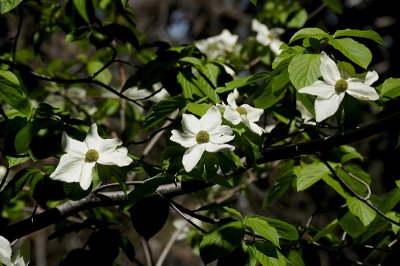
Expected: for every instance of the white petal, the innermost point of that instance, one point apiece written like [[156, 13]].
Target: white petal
[[211, 119], [116, 157], [185, 139], [362, 92], [253, 114], [5, 251], [94, 141], [275, 46], [86, 175], [190, 124], [223, 130], [232, 116], [231, 100], [192, 157], [255, 128], [371, 77], [320, 89], [211, 147], [325, 108], [69, 168], [329, 70], [73, 146], [221, 139]]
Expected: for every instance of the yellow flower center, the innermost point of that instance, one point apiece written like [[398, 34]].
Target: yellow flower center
[[91, 156], [241, 110], [202, 137], [341, 86]]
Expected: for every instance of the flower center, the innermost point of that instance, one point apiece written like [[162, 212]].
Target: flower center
[[341, 86], [241, 110], [202, 137], [91, 156]]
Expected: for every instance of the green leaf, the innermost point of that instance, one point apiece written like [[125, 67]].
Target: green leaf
[[7, 5], [254, 2], [390, 200], [263, 228], [335, 185], [188, 82], [309, 174], [367, 34], [11, 93], [304, 70], [351, 225], [13, 161], [104, 76], [24, 177], [242, 81], [326, 230], [124, 2], [267, 254], [281, 185], [315, 33], [335, 5], [198, 108], [142, 190], [80, 5], [298, 20], [25, 134], [162, 109], [268, 96], [390, 88], [361, 210], [355, 51], [285, 230], [221, 241]]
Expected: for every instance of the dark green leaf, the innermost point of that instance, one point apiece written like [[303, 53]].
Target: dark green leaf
[[351, 225], [285, 230], [162, 110], [25, 135], [24, 177], [141, 191], [221, 241], [12, 94], [80, 5], [281, 185], [148, 215], [335, 5], [242, 81]]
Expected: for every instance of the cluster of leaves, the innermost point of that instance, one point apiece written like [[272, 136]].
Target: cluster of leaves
[[41, 99]]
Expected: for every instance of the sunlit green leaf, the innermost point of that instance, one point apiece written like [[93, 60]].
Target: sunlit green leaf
[[263, 228], [315, 33], [361, 210], [104, 76], [80, 5], [309, 174], [367, 34], [355, 51], [304, 70], [390, 89], [7, 5]]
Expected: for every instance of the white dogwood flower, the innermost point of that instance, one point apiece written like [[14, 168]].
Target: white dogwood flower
[[77, 164], [331, 90], [268, 37], [204, 134], [244, 113], [218, 46], [5, 251]]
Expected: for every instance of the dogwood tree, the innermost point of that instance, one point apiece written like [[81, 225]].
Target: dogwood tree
[[252, 146]]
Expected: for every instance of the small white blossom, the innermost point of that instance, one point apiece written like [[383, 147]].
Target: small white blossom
[[204, 134], [5, 251], [305, 114], [81, 157], [244, 113], [268, 37], [218, 46], [331, 90]]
